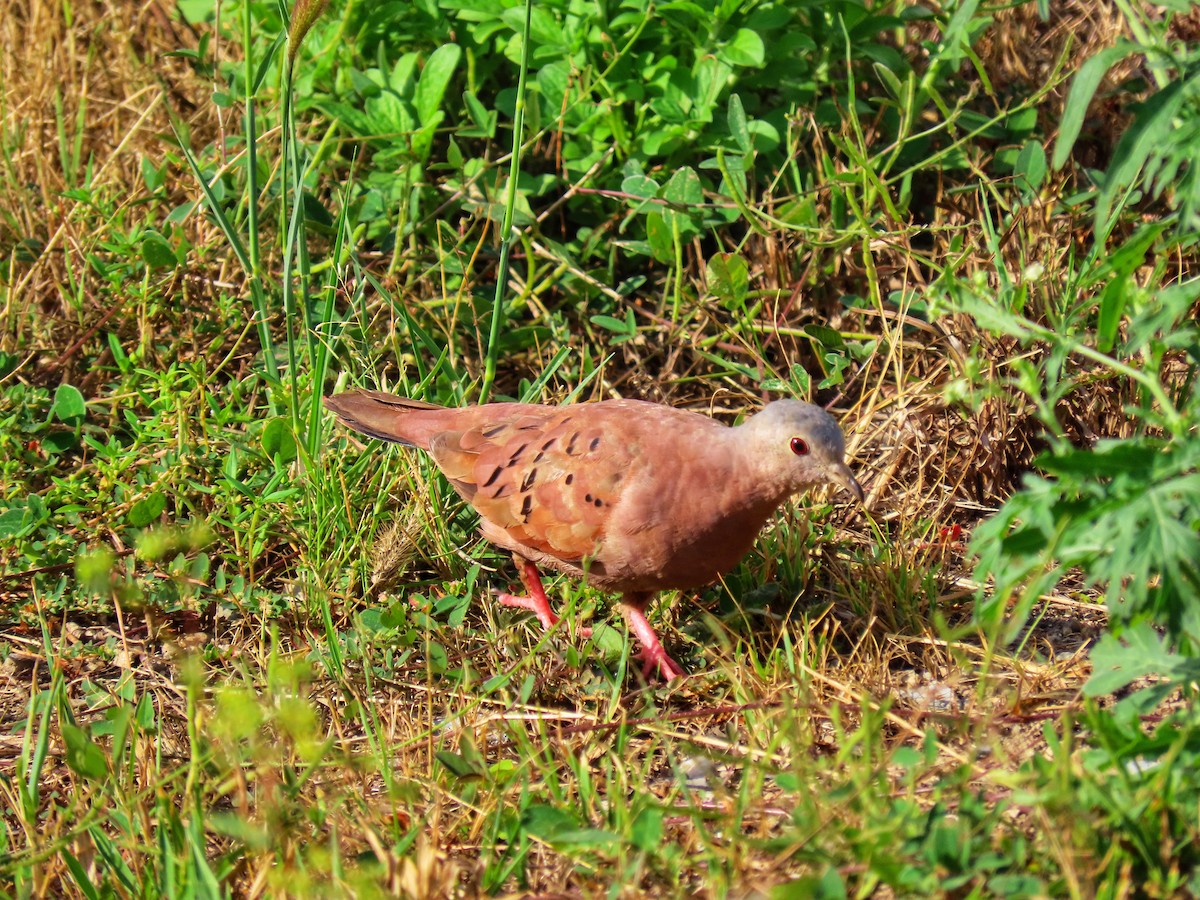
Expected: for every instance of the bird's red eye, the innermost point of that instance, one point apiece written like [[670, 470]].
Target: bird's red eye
[[800, 446]]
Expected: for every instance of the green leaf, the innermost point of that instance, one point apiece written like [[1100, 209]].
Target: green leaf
[[83, 756], [1030, 168], [684, 188], [157, 252], [60, 442], [435, 78], [890, 80], [626, 327], [69, 406], [94, 569], [829, 886], [13, 523], [746, 49], [647, 831], [658, 233], [827, 337], [278, 441], [585, 837], [1150, 131], [557, 826], [738, 127], [1088, 78], [147, 510], [641, 187], [1118, 661], [728, 278], [153, 176], [546, 822], [83, 880], [1112, 308], [484, 119], [460, 766]]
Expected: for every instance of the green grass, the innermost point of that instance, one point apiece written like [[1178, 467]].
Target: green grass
[[244, 654]]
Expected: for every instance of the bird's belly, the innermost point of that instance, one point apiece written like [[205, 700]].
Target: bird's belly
[[674, 558]]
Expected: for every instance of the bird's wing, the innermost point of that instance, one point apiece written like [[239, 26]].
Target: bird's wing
[[548, 479]]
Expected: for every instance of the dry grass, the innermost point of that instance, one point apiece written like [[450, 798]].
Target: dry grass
[[312, 754]]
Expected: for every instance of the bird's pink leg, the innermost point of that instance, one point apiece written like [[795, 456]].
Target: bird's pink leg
[[653, 656], [537, 602]]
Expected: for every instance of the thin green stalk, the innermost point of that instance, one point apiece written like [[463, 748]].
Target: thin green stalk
[[320, 360], [253, 245], [289, 225], [493, 347]]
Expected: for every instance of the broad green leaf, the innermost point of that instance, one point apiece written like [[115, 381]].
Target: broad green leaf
[[1112, 307], [546, 822], [1083, 87], [147, 510], [827, 337], [14, 523], [457, 765], [403, 77], [69, 406], [658, 233], [647, 831], [728, 278], [684, 188], [1118, 661], [83, 756], [610, 323], [746, 49], [157, 252], [94, 569], [484, 118], [278, 442], [1030, 167], [1149, 131], [640, 186], [736, 119], [585, 837], [435, 78], [889, 78]]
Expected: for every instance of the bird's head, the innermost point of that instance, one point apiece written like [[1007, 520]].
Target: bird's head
[[799, 445]]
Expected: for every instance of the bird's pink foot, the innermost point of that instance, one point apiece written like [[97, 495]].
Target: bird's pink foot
[[539, 606], [657, 659], [653, 656], [537, 602]]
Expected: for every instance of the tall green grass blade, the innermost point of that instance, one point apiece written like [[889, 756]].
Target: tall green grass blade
[[514, 170], [254, 248], [113, 859], [324, 328], [257, 294], [1079, 99]]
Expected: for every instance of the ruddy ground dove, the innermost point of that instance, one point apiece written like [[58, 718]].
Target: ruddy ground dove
[[632, 496]]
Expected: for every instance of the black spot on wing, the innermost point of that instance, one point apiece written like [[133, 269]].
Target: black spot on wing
[[516, 456]]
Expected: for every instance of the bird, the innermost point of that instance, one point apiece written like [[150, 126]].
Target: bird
[[632, 496]]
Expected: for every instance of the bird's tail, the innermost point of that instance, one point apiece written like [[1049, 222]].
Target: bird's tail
[[388, 417]]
